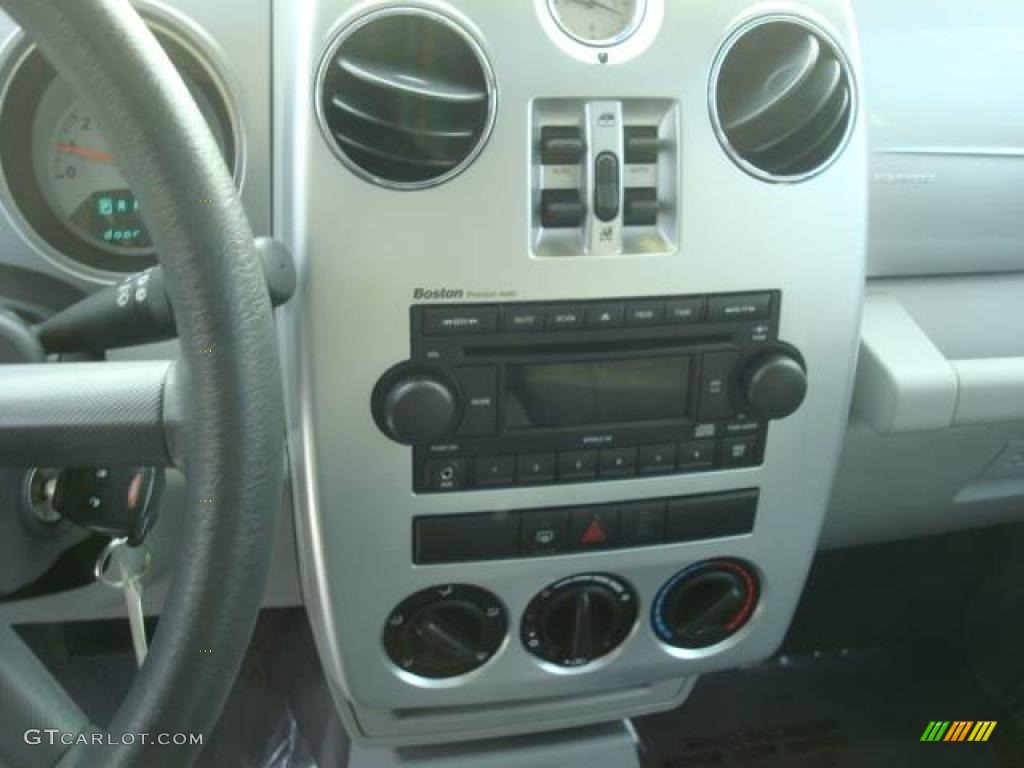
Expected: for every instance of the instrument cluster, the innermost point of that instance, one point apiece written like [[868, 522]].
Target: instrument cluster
[[61, 178]]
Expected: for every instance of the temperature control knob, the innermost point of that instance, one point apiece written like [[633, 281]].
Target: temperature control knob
[[774, 385], [445, 631], [416, 407], [579, 619], [705, 603]]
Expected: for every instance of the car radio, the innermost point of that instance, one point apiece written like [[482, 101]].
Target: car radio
[[497, 395]]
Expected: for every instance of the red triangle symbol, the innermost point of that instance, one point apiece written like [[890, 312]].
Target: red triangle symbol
[[594, 534]]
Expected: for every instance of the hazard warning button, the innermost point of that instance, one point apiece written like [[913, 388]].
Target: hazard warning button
[[594, 528]]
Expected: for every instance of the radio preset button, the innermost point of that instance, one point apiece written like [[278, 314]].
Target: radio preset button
[[494, 471], [480, 396], [748, 306], [617, 462], [450, 321], [577, 465], [564, 317], [523, 319], [536, 468], [684, 311], [657, 459], [699, 454], [594, 528], [645, 313], [604, 315], [544, 532]]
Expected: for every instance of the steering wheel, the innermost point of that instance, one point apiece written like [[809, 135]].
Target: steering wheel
[[218, 413]]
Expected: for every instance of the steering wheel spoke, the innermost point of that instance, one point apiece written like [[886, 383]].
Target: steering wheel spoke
[[33, 701], [90, 414]]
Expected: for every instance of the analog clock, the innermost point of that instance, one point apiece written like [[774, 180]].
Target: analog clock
[[598, 22]]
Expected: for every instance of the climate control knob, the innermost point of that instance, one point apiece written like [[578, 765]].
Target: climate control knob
[[774, 385], [445, 631], [579, 619], [416, 407], [705, 603]]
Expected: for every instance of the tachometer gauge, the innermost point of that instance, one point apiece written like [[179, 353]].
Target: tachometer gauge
[[598, 22], [63, 175]]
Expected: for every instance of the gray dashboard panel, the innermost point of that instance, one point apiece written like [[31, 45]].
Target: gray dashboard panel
[[947, 148], [362, 251]]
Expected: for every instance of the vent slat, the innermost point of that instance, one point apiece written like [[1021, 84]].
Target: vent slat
[[832, 133], [406, 97], [392, 157], [783, 99], [790, 138], [828, 82], [340, 103], [386, 76], [796, 73]]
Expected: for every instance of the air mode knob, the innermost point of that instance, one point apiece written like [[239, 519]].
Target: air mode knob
[[705, 603], [445, 631], [579, 619], [416, 407], [774, 384]]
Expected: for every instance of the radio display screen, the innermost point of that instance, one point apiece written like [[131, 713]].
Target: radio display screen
[[597, 392]]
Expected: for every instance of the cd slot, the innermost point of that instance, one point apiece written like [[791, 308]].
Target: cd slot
[[603, 346]]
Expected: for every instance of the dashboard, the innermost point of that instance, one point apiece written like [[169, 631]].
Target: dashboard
[[610, 316]]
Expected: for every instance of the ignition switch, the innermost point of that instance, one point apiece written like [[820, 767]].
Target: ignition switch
[[119, 502]]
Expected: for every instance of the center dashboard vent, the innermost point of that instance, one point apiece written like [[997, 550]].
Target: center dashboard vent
[[406, 97], [782, 99]]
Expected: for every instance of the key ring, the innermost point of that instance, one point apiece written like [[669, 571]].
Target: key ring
[[102, 570]]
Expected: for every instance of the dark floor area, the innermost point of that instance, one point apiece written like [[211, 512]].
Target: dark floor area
[[852, 710], [828, 710], [279, 714]]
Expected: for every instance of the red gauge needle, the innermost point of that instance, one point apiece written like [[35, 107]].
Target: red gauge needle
[[97, 155]]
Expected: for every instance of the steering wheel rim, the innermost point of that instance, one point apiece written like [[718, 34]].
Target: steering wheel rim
[[234, 444]]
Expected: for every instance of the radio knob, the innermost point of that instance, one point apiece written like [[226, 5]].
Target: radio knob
[[774, 385], [418, 408]]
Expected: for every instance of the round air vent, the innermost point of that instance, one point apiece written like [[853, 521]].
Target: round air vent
[[782, 99], [406, 98]]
